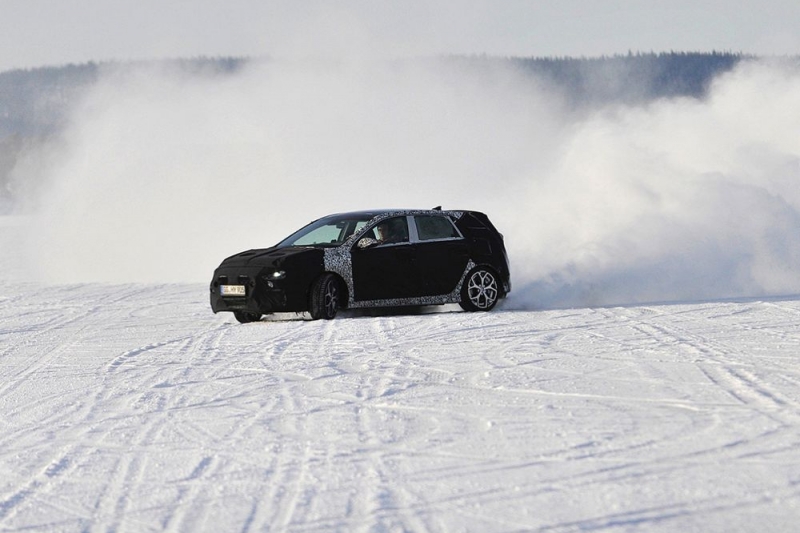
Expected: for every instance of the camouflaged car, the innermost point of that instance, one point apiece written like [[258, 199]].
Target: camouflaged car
[[386, 258]]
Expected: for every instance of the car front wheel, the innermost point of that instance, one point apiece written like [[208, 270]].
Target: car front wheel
[[324, 297], [480, 290]]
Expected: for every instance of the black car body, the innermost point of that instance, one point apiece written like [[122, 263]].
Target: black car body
[[363, 259]]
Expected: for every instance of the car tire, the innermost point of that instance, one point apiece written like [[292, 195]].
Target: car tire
[[323, 299], [245, 317], [480, 290]]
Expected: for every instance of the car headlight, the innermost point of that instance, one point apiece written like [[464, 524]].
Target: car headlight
[[275, 275]]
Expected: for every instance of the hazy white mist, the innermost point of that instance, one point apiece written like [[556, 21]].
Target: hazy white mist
[[160, 175]]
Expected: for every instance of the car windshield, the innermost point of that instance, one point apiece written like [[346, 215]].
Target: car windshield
[[328, 231]]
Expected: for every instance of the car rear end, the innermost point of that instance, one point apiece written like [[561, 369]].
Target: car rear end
[[487, 246]]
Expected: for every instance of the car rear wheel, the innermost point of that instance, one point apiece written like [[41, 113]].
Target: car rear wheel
[[480, 290], [245, 317], [324, 297]]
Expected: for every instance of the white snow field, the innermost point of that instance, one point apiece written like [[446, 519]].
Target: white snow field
[[133, 408]]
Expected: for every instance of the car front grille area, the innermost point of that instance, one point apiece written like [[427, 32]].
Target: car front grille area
[[241, 279]]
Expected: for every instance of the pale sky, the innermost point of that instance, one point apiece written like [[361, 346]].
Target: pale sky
[[53, 32]]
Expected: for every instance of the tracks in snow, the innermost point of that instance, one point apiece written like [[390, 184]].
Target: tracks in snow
[[121, 412]]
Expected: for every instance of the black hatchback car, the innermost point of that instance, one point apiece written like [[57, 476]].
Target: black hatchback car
[[387, 258]]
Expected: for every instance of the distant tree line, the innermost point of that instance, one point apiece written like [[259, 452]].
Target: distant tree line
[[632, 78], [35, 103], [627, 79]]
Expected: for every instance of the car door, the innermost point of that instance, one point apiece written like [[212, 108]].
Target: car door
[[441, 254], [386, 270]]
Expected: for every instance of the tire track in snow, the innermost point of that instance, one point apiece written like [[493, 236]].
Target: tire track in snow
[[380, 423], [292, 489], [720, 363], [49, 338], [129, 467], [379, 504], [41, 482], [132, 469], [601, 475]]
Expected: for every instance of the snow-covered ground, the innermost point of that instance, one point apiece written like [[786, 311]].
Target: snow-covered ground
[[132, 407]]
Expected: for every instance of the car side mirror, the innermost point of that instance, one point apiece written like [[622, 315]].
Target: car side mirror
[[366, 242]]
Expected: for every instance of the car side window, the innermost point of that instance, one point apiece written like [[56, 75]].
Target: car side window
[[435, 227], [392, 230]]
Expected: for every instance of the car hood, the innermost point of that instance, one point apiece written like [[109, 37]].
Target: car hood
[[272, 257]]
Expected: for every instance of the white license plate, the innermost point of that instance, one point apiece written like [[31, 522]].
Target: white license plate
[[231, 290]]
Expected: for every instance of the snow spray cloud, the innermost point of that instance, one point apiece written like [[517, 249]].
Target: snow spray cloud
[[165, 174], [168, 173], [679, 200]]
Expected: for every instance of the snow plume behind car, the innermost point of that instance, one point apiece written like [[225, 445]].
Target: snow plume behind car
[[161, 174]]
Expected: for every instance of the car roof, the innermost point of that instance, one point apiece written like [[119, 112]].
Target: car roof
[[372, 213]]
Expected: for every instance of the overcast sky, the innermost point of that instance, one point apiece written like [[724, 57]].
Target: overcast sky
[[52, 32]]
